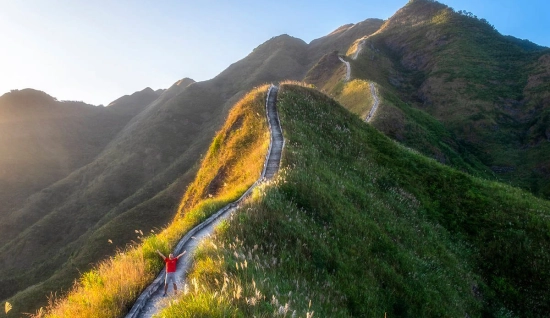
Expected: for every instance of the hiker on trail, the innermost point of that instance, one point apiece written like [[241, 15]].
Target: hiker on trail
[[170, 262]]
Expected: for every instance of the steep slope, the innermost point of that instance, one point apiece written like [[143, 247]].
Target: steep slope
[[152, 299], [324, 68], [137, 180], [357, 225], [282, 57], [341, 39], [396, 119]]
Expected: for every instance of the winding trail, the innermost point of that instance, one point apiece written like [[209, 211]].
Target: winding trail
[[375, 104], [373, 90], [359, 48], [348, 68], [150, 302]]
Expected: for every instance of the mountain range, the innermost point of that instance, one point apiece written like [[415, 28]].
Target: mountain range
[[79, 182]]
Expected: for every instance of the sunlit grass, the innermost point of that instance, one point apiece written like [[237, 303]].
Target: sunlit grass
[[225, 169], [356, 97], [239, 149], [105, 291]]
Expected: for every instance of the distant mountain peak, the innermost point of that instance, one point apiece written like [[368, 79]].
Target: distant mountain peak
[[29, 93], [342, 28], [184, 82], [27, 99], [281, 40], [180, 84], [144, 93]]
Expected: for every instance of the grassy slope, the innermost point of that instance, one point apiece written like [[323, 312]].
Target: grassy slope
[[481, 99], [357, 225], [395, 118], [71, 221], [411, 127], [341, 38], [238, 149], [475, 81]]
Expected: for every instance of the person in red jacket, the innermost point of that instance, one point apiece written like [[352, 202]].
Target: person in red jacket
[[171, 263]]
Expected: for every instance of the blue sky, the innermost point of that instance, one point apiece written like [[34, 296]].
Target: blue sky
[[96, 51]]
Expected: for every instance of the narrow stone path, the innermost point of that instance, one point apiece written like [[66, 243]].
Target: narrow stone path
[[348, 68], [375, 104], [359, 48], [373, 91], [151, 301]]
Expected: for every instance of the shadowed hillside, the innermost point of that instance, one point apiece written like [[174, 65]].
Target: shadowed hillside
[[43, 140], [132, 105], [342, 38]]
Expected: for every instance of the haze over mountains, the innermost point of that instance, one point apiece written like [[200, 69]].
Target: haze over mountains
[[74, 176]]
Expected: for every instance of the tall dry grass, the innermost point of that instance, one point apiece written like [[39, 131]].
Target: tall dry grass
[[106, 290]]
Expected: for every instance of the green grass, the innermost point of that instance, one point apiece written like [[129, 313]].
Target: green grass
[[357, 225], [496, 73], [355, 96], [412, 127], [488, 91]]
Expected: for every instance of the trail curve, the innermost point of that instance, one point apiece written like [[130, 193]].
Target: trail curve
[[358, 50], [374, 104], [348, 68], [372, 88], [151, 300]]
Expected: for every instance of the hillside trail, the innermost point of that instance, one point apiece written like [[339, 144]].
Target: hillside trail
[[359, 48], [348, 68], [373, 90], [374, 107], [151, 300]]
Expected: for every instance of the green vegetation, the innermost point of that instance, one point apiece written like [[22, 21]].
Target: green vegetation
[[328, 73], [43, 140], [357, 225], [355, 96], [484, 88], [416, 129], [412, 127], [110, 288]]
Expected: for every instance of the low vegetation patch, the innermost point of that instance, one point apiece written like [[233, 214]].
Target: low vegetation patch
[[356, 97]]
